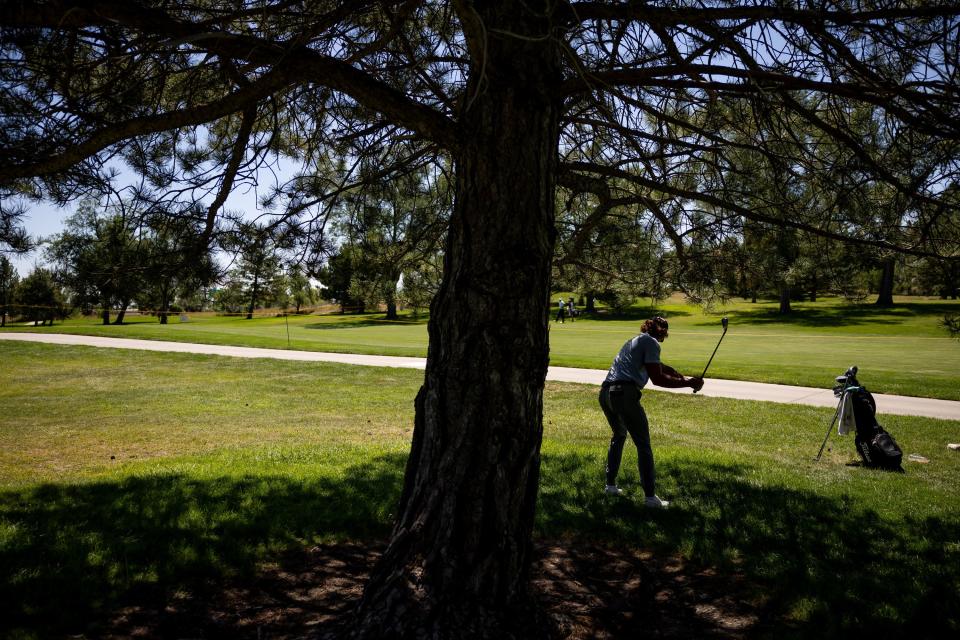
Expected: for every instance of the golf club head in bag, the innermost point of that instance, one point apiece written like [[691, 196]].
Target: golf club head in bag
[[848, 379]]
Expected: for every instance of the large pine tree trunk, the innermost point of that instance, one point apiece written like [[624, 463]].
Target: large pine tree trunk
[[457, 562]]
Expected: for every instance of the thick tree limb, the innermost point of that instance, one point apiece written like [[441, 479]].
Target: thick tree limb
[[230, 174], [625, 11], [654, 76], [580, 183], [299, 62], [117, 132], [748, 213]]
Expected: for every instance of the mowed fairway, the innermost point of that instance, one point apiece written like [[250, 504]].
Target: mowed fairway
[[901, 350], [138, 479]]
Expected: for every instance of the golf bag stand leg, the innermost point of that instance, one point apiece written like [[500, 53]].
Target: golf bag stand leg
[[836, 414]]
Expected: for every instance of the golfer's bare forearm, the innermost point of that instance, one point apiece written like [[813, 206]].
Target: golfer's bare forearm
[[674, 382], [670, 371]]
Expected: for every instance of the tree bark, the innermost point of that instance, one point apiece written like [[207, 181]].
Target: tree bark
[[253, 296], [392, 298], [164, 302], [458, 559], [951, 273], [785, 299], [885, 295], [122, 312]]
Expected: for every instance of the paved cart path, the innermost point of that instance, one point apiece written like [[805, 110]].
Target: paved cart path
[[886, 404]]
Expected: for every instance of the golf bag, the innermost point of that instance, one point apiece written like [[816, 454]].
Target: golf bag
[[875, 446]]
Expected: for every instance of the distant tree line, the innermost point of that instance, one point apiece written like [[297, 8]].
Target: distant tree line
[[387, 254], [35, 298], [111, 258]]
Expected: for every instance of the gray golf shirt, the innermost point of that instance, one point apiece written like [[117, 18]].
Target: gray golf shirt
[[629, 363]]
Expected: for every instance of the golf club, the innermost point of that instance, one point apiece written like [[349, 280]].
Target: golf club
[[723, 321], [842, 383]]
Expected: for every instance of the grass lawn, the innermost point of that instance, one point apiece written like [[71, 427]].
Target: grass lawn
[[900, 350], [134, 476]]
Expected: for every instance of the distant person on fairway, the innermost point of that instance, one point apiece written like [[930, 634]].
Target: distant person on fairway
[[561, 310], [571, 310], [637, 362]]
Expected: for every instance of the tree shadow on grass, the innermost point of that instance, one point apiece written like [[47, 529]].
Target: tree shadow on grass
[[357, 322], [72, 554], [171, 553], [637, 314], [844, 315], [820, 567]]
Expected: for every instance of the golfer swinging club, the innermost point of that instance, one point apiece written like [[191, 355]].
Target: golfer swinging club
[[637, 362]]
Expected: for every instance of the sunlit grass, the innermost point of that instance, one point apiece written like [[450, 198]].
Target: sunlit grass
[[900, 350]]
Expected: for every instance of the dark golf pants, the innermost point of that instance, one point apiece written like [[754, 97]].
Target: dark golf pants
[[621, 406]]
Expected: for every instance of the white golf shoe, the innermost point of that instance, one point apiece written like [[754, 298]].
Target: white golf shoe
[[655, 502]]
